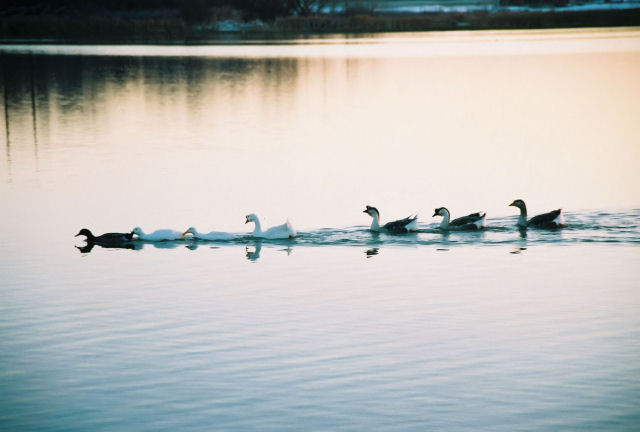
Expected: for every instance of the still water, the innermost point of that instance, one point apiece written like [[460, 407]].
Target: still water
[[340, 328]]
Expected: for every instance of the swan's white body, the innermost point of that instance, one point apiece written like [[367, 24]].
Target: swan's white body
[[470, 222], [211, 236], [283, 231], [158, 235]]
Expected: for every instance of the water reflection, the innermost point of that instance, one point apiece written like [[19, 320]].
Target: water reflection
[[253, 255], [87, 248], [370, 253], [46, 98]]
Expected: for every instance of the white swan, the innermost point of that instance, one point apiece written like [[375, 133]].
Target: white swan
[[158, 235], [277, 232], [472, 221], [399, 226], [213, 235], [552, 219]]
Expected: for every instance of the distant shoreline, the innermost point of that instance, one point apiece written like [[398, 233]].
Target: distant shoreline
[[101, 29]]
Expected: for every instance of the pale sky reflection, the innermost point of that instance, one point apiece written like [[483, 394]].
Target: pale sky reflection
[[315, 137]]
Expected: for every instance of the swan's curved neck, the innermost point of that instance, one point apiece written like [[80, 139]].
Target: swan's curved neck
[[258, 228], [375, 223], [446, 218]]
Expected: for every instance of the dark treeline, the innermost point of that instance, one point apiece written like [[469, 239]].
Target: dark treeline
[[190, 10], [200, 20]]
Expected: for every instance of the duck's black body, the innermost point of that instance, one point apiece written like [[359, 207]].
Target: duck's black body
[[107, 238], [549, 220], [467, 220], [545, 220], [470, 222], [400, 225]]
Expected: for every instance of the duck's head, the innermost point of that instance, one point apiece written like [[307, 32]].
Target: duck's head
[[251, 218], [84, 232], [518, 203], [440, 211], [190, 230], [136, 231], [371, 211]]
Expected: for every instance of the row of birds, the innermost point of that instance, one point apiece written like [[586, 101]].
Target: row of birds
[[473, 221]]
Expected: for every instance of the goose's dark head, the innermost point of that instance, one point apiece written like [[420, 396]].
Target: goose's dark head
[[85, 232], [371, 211], [439, 211], [518, 203]]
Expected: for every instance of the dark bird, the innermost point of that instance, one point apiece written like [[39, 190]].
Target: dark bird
[[552, 219], [107, 238], [396, 227], [473, 221]]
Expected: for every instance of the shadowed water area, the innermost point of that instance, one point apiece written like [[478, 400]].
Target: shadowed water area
[[339, 328]]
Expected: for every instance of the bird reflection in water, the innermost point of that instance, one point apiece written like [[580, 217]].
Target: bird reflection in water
[[372, 252], [135, 245], [523, 232], [253, 255]]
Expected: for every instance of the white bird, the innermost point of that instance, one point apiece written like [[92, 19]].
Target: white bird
[[158, 235], [277, 232], [213, 235], [472, 221], [552, 219], [399, 226]]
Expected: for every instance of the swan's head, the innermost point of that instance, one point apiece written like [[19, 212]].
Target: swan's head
[[137, 231], [251, 218], [440, 211], [518, 203], [190, 230], [371, 211], [84, 232]]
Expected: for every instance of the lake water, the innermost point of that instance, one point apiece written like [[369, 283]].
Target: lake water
[[340, 328]]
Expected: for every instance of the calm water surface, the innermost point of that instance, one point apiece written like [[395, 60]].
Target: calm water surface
[[339, 329]]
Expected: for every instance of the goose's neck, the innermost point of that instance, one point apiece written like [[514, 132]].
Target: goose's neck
[[375, 222], [522, 219], [258, 228], [446, 218]]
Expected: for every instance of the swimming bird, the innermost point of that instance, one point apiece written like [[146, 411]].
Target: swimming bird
[[552, 219], [213, 235], [283, 231], [105, 238], [472, 221], [396, 227], [158, 235]]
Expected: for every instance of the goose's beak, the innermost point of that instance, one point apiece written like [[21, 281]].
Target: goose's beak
[[513, 204], [247, 220], [435, 214], [77, 235], [365, 211]]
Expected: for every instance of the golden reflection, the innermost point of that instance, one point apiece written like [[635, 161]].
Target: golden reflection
[[314, 138]]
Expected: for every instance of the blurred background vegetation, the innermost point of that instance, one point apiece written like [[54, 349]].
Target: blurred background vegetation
[[163, 20]]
